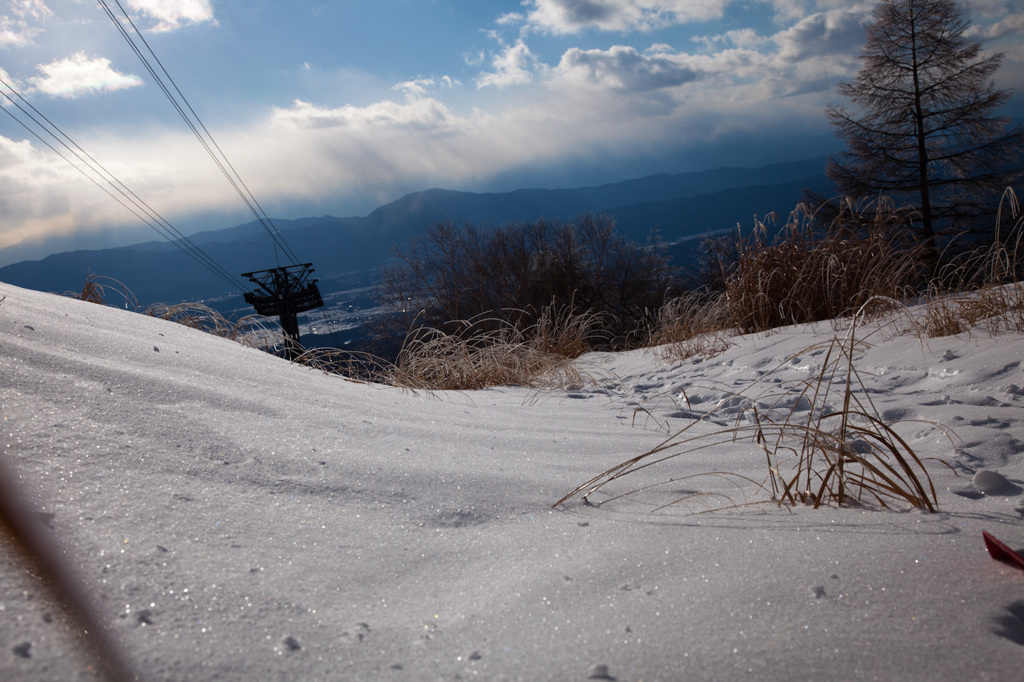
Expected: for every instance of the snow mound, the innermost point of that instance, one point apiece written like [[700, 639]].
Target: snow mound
[[235, 516]]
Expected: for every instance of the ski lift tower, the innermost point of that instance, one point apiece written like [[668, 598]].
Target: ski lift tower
[[285, 292]]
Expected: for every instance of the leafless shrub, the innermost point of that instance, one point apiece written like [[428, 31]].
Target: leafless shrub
[[511, 274]]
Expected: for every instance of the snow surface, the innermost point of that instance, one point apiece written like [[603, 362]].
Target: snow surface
[[239, 517]]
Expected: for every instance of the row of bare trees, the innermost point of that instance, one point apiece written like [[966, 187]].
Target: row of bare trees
[[509, 274]]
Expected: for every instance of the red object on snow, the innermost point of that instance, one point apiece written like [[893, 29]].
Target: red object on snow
[[1001, 552]]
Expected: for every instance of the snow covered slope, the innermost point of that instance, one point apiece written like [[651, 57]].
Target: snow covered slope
[[239, 517]]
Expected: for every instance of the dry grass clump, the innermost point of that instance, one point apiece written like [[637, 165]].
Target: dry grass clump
[[250, 330], [807, 276], [489, 352], [859, 263], [992, 308], [984, 289], [97, 289], [822, 439], [353, 365], [565, 332], [696, 323], [474, 354], [434, 360]]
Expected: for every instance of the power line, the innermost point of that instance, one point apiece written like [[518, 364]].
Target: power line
[[195, 124], [121, 193]]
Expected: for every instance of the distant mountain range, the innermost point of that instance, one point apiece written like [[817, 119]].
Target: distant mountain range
[[679, 206]]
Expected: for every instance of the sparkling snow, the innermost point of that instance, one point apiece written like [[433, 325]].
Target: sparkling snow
[[238, 517]]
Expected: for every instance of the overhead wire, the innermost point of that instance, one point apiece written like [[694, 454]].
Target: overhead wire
[[121, 192], [195, 124]]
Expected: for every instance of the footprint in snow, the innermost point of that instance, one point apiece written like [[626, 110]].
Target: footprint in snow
[[599, 672], [357, 633], [287, 645]]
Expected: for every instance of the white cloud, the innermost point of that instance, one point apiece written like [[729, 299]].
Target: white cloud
[[836, 32], [734, 66], [21, 25], [743, 38], [514, 65], [419, 113], [7, 78], [78, 75], [33, 200], [169, 15], [414, 88], [595, 106], [1015, 54], [584, 105], [1012, 24], [510, 18], [615, 102], [474, 58], [623, 69], [573, 16], [789, 11], [418, 87], [606, 104], [989, 8]]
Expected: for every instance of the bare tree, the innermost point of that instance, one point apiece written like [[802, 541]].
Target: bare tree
[[511, 273], [921, 126]]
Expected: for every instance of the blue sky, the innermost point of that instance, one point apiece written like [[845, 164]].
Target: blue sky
[[338, 107]]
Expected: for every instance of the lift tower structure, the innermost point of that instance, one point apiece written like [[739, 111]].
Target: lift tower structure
[[285, 292]]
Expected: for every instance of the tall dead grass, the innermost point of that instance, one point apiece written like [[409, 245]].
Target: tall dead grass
[[698, 323], [822, 440], [249, 330], [489, 352], [353, 365], [804, 274], [983, 290], [472, 354], [475, 354], [860, 263], [98, 289]]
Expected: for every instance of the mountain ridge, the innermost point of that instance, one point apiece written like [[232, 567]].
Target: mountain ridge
[[676, 205]]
